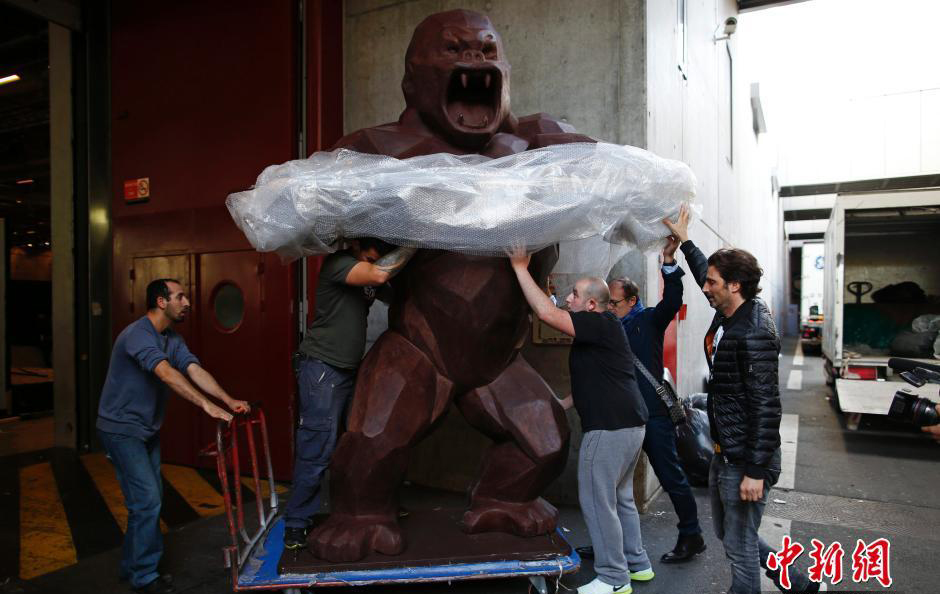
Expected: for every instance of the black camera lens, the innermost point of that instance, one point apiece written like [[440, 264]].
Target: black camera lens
[[913, 409]]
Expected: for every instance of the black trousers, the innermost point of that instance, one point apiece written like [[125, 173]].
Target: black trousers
[[660, 448]]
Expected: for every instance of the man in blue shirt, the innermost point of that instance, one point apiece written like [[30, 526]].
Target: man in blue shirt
[[147, 357]]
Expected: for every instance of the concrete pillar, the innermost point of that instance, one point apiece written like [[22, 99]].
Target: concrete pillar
[[5, 399], [62, 216]]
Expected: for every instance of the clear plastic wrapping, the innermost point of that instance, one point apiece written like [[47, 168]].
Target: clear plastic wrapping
[[464, 203]]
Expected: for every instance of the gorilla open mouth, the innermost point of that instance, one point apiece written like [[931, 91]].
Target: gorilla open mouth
[[473, 97]]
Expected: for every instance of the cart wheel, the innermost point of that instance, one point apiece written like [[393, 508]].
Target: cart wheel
[[538, 581]]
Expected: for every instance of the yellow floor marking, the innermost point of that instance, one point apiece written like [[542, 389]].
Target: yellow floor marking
[[105, 477], [195, 490], [265, 488], [45, 537]]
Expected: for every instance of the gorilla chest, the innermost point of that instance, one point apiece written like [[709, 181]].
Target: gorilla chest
[[471, 291], [400, 143]]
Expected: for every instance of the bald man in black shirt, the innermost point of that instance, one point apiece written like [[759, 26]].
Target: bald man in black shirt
[[613, 417]]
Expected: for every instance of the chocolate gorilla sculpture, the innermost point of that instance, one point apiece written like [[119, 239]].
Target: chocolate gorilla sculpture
[[457, 321]]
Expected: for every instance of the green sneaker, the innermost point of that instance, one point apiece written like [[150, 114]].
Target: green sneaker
[[643, 575], [625, 589]]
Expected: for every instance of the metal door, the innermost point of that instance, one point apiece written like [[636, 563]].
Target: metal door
[[181, 420], [248, 359]]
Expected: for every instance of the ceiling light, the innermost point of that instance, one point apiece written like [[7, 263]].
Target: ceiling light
[[23, 182], [29, 245], [9, 79]]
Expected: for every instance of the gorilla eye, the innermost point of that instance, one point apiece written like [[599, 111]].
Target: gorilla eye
[[453, 49]]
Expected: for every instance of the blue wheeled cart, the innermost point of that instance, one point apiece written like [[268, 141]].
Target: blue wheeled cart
[[437, 552]]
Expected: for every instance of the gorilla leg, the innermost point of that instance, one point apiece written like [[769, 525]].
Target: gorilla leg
[[398, 396], [519, 412]]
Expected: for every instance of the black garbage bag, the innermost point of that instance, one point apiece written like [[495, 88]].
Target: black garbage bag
[[698, 400], [694, 443], [918, 345], [906, 292]]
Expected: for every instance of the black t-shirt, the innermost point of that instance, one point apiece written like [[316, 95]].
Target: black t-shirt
[[338, 333], [603, 382]]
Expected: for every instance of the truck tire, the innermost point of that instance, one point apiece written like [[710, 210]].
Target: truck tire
[[830, 372]]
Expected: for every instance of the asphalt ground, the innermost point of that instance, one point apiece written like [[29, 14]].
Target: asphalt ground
[[881, 481]]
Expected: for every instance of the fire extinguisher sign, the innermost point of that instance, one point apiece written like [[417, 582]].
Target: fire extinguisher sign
[[137, 190]]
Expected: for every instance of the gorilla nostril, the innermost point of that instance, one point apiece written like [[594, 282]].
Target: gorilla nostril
[[473, 56]]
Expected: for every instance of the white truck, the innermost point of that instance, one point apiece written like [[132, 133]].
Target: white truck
[[813, 280], [874, 240]]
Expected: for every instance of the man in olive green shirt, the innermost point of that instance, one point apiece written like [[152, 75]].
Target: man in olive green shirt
[[330, 355]]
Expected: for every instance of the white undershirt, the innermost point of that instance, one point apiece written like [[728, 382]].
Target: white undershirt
[[718, 334]]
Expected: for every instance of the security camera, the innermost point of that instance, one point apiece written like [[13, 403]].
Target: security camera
[[726, 29], [731, 24]]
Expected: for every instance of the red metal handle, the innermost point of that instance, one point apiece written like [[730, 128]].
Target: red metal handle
[[226, 450]]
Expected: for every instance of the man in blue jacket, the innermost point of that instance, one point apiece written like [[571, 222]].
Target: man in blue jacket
[[148, 357]]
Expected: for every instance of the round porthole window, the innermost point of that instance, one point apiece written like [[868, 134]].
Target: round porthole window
[[229, 306]]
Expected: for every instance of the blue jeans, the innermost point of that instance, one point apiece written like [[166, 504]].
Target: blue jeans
[[137, 463], [660, 447], [737, 523], [323, 392]]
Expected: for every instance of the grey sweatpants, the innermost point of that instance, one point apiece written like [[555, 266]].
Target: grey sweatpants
[[605, 490]]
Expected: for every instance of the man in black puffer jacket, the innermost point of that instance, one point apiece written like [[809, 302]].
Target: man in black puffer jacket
[[744, 411], [742, 349]]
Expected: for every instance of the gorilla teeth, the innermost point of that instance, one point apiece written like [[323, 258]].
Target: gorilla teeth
[[486, 121], [460, 117], [463, 79], [488, 80]]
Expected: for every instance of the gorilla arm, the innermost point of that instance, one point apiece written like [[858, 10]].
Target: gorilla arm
[[541, 130]]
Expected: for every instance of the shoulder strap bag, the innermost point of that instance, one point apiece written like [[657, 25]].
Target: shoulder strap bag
[[666, 393]]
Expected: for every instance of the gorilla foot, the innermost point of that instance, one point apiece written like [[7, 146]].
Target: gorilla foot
[[529, 518], [344, 538]]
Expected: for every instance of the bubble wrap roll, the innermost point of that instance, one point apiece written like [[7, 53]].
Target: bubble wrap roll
[[464, 203]]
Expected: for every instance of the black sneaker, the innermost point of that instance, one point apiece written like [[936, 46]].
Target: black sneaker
[[585, 552], [295, 538], [161, 585]]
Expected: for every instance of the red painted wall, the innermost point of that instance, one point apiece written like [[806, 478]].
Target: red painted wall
[[324, 74], [324, 99], [671, 339], [204, 96]]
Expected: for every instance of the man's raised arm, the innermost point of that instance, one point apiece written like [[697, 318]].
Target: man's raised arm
[[540, 303], [368, 274], [698, 263]]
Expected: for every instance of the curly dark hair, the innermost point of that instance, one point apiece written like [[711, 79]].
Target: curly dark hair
[[382, 247], [740, 266], [158, 288]]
